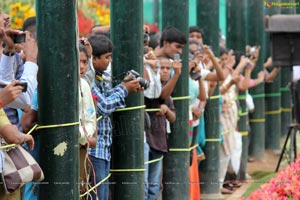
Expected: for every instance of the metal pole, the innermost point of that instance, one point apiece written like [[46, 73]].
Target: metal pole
[[286, 102], [58, 98], [236, 40], [176, 163], [208, 20], [128, 126], [257, 119], [273, 97]]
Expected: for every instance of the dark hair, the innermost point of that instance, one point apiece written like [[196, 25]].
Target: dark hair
[[154, 39], [196, 29], [222, 51], [100, 44], [171, 34], [83, 49], [238, 55], [29, 22]]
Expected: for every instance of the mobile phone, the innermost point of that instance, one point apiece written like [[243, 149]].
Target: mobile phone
[[19, 38], [176, 56], [24, 85]]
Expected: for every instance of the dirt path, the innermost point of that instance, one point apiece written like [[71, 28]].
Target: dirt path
[[267, 164]]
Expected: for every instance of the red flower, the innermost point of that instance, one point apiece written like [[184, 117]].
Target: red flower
[[84, 24]]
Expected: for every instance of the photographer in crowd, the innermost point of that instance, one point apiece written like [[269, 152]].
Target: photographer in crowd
[[108, 100]]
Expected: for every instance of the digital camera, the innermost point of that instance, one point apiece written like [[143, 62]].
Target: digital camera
[[134, 75]]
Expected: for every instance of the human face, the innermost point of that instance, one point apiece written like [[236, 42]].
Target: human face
[[4, 20], [196, 36], [173, 48], [101, 63], [84, 64], [224, 58], [165, 70]]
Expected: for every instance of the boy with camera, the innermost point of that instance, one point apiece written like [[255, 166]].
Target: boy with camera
[[108, 100]]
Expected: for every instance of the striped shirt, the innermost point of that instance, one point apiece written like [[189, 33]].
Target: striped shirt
[[108, 101]]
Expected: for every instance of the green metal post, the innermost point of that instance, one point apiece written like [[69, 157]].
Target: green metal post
[[58, 98], [236, 39], [128, 126], [273, 96], [176, 163], [286, 102], [208, 20], [255, 32]]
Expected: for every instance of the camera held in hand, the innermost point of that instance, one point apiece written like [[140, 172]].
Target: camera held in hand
[[134, 75]]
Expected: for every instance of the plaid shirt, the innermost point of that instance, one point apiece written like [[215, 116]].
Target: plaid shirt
[[12, 113], [108, 101]]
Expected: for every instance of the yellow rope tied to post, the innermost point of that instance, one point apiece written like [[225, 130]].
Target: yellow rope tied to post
[[257, 120], [181, 98], [57, 125], [213, 140], [37, 127], [215, 97], [95, 186], [244, 133], [130, 108], [273, 112], [153, 161], [127, 170], [183, 149]]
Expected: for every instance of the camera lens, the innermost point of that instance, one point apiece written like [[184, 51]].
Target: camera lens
[[144, 83]]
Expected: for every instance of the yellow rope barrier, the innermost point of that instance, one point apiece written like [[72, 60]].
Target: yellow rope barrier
[[95, 186], [130, 108], [181, 98], [273, 112], [286, 110], [183, 149], [127, 170], [57, 125], [257, 120], [215, 97], [153, 161], [152, 110], [212, 139], [244, 133]]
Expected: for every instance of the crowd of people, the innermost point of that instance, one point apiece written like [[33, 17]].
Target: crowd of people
[[98, 97]]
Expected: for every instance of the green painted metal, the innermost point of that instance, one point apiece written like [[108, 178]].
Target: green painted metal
[[236, 39], [272, 102], [128, 139], [176, 164], [208, 20], [255, 31], [58, 98], [286, 102]]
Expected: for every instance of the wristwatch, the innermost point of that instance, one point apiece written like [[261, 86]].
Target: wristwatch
[[8, 53]]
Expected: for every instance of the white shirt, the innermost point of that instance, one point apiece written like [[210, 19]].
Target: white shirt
[[296, 73], [29, 75], [87, 112]]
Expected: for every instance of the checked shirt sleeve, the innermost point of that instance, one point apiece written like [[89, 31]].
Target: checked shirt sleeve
[[111, 100]]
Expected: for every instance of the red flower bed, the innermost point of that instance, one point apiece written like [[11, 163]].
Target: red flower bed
[[285, 186]]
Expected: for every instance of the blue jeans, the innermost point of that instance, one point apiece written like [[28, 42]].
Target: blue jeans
[[154, 172], [101, 168], [146, 159]]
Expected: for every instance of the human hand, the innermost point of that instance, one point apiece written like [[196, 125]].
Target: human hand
[[29, 140], [10, 92], [132, 86], [30, 48], [163, 110], [7, 36], [87, 44]]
